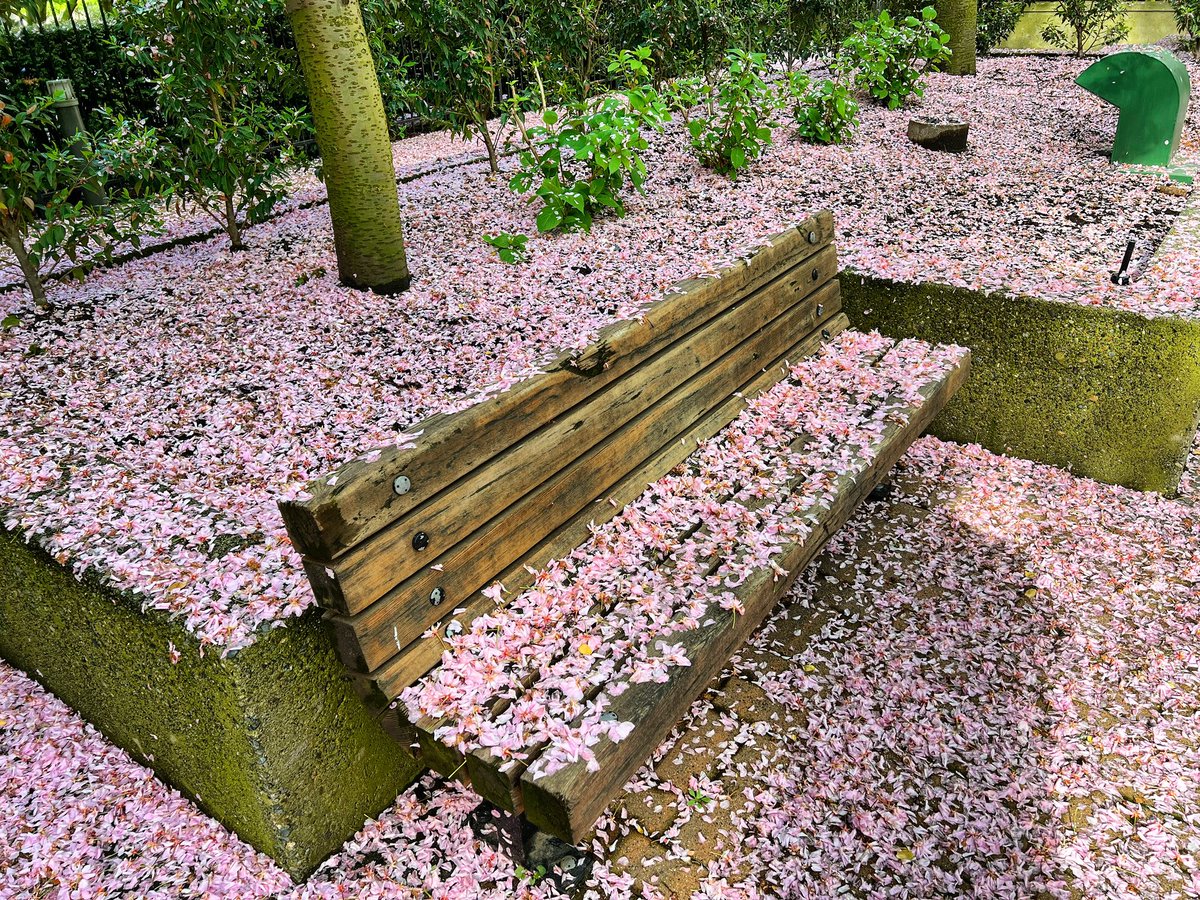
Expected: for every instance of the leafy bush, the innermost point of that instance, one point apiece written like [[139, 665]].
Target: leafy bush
[[577, 162], [825, 111], [1089, 24], [215, 77], [570, 41], [738, 117], [997, 20], [788, 30], [43, 218], [889, 59], [467, 48], [1187, 20]]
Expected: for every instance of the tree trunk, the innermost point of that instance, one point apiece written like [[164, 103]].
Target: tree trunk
[[231, 225], [960, 20], [490, 143], [352, 134], [33, 278]]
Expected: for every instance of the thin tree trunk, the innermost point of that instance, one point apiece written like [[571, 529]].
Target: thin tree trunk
[[490, 143], [960, 19], [231, 225], [352, 133], [32, 277]]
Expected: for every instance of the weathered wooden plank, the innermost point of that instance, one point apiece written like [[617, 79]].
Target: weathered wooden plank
[[465, 510], [359, 499], [568, 802], [500, 782], [370, 638], [422, 655]]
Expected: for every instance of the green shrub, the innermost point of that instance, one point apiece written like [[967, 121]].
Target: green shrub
[[1187, 20], [44, 220], [578, 161], [889, 59], [997, 20], [825, 111], [1089, 24], [467, 48], [217, 79], [737, 119]]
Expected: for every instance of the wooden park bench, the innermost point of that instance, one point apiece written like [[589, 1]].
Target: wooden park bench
[[399, 544]]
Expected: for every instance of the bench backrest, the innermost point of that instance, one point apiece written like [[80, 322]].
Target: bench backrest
[[396, 541]]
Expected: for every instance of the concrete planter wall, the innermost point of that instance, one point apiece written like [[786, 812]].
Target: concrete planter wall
[[1148, 22], [270, 740], [1108, 395]]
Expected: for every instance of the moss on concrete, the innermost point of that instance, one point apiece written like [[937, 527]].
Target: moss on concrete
[[270, 741], [1109, 395]]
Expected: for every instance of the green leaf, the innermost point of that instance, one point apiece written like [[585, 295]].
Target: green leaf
[[737, 157], [548, 219]]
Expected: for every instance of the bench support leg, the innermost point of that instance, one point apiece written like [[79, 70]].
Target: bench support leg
[[510, 828]]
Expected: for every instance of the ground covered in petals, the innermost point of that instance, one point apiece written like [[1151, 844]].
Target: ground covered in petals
[[987, 687], [149, 424]]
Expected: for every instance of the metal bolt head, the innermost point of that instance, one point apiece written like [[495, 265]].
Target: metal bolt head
[[437, 596], [401, 485], [816, 274], [420, 541], [825, 333], [812, 237], [820, 309]]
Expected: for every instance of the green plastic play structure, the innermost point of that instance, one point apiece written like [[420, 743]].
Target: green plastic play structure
[[1151, 88]]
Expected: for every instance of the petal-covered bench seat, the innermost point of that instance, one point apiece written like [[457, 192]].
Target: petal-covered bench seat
[[551, 702], [549, 577]]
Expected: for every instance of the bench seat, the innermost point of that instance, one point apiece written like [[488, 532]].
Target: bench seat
[[550, 703], [549, 576]]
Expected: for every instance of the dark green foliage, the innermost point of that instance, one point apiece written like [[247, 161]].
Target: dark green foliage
[[217, 80], [997, 20], [1187, 20], [467, 51], [44, 221], [102, 74]]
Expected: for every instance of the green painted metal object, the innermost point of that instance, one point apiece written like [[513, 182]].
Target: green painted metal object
[[1151, 88]]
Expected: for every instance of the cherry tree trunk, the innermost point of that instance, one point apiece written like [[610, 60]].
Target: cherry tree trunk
[[960, 19], [352, 134]]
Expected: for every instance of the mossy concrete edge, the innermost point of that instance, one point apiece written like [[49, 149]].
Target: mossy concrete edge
[[1107, 394], [270, 741]]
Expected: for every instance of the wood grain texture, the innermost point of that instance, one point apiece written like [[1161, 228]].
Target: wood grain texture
[[358, 499], [567, 803]]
